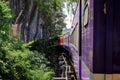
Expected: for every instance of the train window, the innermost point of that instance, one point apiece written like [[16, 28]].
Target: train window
[[86, 15]]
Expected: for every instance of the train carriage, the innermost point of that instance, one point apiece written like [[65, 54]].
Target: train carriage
[[100, 39]]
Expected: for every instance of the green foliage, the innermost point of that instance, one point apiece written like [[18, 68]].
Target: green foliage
[[48, 76], [53, 16], [44, 46], [5, 17], [25, 65], [38, 45], [5, 12], [17, 62], [51, 11]]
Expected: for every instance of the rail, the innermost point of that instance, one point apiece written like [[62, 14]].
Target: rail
[[67, 73], [70, 41]]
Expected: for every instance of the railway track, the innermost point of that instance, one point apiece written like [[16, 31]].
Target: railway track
[[64, 69]]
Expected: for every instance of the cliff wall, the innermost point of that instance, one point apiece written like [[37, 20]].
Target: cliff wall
[[27, 22]]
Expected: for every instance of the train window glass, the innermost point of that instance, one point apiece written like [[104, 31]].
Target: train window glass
[[86, 15]]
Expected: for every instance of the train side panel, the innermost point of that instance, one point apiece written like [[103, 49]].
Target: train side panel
[[87, 39], [100, 40]]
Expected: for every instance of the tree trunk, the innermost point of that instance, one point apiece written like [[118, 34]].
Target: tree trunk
[[27, 22]]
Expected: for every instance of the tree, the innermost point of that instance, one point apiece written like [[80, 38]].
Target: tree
[[16, 61], [53, 16], [51, 11], [5, 17]]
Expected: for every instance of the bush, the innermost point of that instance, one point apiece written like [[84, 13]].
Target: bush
[[17, 62], [25, 65]]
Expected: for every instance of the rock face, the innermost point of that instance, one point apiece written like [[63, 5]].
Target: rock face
[[28, 22]]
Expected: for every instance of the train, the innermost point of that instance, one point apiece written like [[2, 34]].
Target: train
[[100, 43], [95, 40]]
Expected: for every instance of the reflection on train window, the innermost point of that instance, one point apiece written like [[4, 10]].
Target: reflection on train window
[[86, 15]]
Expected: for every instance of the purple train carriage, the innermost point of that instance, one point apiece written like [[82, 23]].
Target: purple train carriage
[[94, 41], [100, 41]]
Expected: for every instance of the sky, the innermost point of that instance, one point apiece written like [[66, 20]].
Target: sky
[[69, 18]]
